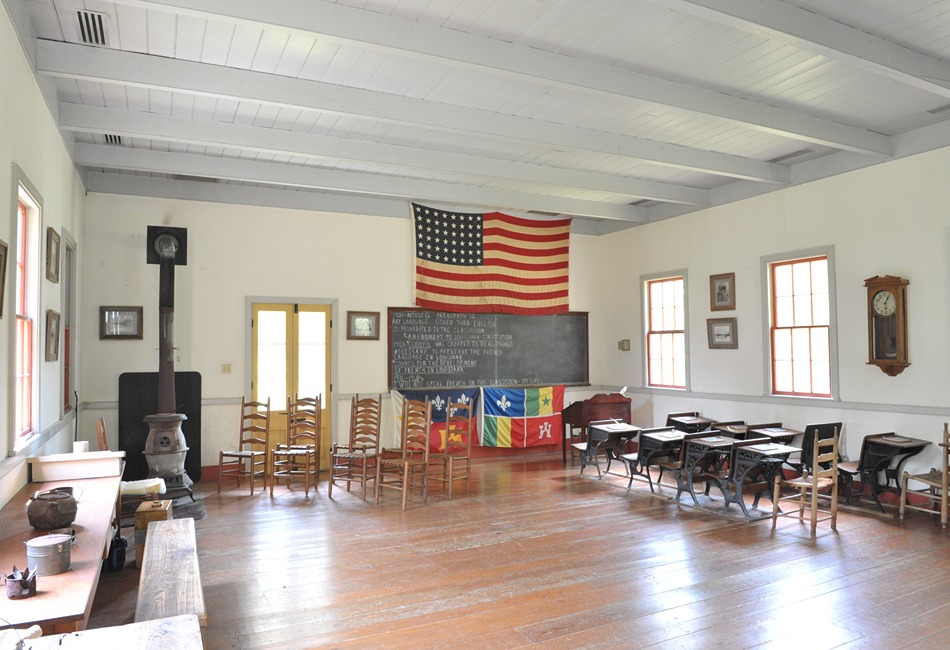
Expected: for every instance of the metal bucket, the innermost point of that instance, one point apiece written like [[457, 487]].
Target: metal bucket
[[48, 554]]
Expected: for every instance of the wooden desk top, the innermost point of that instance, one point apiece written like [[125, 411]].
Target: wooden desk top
[[714, 441], [776, 432], [773, 449], [691, 419], [901, 442], [62, 601]]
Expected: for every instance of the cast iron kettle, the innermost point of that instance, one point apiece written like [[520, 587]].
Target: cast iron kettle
[[54, 508]]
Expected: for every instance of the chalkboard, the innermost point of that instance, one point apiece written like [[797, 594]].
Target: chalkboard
[[430, 349]]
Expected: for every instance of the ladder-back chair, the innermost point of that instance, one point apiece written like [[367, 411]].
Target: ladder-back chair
[[455, 462], [355, 462], [299, 459], [407, 469], [934, 492], [249, 460], [818, 481]]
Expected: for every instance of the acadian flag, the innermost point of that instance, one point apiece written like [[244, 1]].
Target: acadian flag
[[522, 417], [440, 399], [490, 262]]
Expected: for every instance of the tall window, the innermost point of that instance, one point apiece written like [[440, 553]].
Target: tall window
[[27, 301], [801, 327], [666, 333]]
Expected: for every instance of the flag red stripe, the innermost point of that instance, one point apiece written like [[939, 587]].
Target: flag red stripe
[[518, 250], [523, 270], [491, 308], [491, 291], [451, 274], [522, 236]]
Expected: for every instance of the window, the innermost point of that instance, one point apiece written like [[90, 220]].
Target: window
[[800, 328], [666, 333], [27, 306]]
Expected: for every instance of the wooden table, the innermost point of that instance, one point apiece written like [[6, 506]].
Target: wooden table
[[63, 601], [178, 632]]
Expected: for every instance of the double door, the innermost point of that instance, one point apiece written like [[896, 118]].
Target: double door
[[290, 355]]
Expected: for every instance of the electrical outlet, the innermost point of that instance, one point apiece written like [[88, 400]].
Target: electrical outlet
[[225, 368]]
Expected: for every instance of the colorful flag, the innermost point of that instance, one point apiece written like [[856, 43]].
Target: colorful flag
[[522, 417], [440, 399], [490, 262]]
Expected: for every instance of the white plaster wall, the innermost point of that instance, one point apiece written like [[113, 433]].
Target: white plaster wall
[[29, 139], [358, 263], [890, 219]]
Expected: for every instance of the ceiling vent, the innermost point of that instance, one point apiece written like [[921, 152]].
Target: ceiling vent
[[79, 25], [92, 27], [113, 140]]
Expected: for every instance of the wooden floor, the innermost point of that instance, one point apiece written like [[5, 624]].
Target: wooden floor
[[539, 556]]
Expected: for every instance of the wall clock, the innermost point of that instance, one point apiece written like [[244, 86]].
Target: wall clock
[[887, 323]]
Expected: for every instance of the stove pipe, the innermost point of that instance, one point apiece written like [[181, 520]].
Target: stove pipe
[[165, 446]]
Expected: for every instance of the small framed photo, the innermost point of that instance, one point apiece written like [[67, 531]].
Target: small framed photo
[[722, 292], [52, 335], [723, 333], [52, 255], [3, 273], [362, 325], [120, 322]]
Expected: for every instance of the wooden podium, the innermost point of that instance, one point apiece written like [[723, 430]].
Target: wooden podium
[[604, 406]]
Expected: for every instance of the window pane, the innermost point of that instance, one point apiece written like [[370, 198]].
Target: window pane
[[783, 280], [312, 354], [666, 357], [272, 357], [801, 314]]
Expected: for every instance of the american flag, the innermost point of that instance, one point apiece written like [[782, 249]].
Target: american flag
[[490, 262]]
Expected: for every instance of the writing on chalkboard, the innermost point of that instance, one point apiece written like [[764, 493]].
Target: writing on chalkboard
[[442, 349]]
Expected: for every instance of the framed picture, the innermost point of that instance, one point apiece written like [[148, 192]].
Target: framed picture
[[722, 292], [723, 333], [52, 335], [3, 273], [120, 322], [52, 255], [362, 325]]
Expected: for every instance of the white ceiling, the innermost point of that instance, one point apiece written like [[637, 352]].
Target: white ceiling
[[616, 112]]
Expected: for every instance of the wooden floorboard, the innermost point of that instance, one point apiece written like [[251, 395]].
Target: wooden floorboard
[[539, 556]]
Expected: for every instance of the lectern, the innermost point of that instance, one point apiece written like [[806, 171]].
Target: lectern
[[604, 406]]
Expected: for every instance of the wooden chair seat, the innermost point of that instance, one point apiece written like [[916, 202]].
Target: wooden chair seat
[[453, 463], [355, 462], [299, 458], [933, 496], [407, 470], [249, 460], [591, 448], [818, 483]]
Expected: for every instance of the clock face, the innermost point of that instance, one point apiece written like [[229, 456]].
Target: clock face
[[884, 303]]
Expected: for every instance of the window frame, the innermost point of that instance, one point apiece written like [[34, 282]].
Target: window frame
[[27, 286], [645, 282], [767, 265]]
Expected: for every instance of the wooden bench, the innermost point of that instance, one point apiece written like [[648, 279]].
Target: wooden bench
[[170, 583]]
